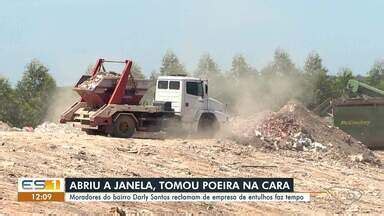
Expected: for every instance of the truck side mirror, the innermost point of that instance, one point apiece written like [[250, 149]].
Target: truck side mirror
[[206, 89]]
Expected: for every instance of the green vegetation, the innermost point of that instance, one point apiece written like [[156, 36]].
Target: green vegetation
[[27, 104], [171, 65], [137, 72], [376, 75], [7, 101]]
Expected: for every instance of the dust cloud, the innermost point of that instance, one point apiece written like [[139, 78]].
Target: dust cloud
[[251, 95], [250, 100], [62, 99]]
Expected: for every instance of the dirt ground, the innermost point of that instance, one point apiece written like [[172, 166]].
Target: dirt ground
[[34, 154]]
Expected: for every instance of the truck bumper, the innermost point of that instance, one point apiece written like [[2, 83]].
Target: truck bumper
[[83, 126]]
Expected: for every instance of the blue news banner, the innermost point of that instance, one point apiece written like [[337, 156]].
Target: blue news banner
[[182, 190]]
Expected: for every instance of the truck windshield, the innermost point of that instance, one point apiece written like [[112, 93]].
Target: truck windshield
[[195, 88]]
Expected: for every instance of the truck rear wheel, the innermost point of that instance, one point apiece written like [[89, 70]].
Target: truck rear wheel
[[124, 127]]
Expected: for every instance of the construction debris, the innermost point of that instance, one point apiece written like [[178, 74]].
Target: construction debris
[[363, 157], [295, 128], [93, 82], [46, 127], [50, 127], [28, 129]]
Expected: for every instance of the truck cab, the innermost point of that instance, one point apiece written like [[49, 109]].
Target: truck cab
[[189, 100]]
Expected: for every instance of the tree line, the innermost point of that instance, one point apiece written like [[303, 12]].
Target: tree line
[[27, 103], [243, 87]]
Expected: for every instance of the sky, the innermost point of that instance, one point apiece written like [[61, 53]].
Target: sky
[[69, 35]]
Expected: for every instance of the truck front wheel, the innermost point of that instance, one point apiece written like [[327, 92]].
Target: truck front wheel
[[124, 127], [208, 126]]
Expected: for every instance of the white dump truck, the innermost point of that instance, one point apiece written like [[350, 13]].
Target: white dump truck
[[110, 104]]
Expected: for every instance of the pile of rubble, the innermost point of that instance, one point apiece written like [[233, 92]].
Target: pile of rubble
[[5, 127], [50, 127], [91, 83], [296, 128], [46, 127], [285, 132]]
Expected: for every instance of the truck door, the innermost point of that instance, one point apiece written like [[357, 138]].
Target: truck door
[[193, 100]]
